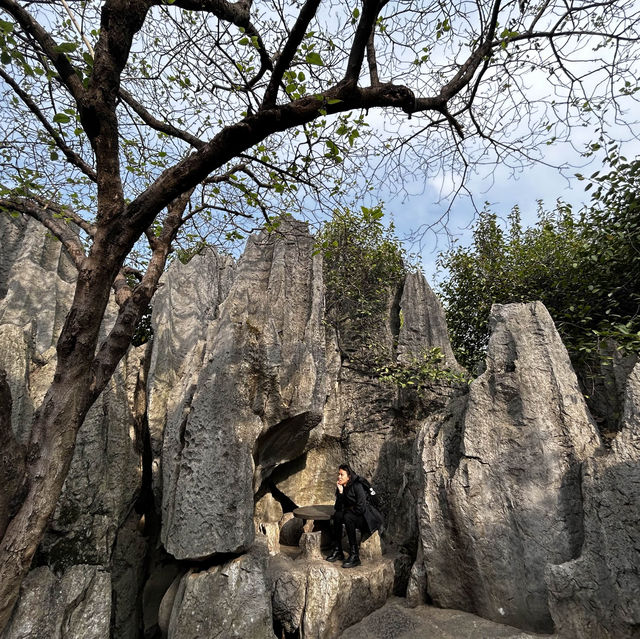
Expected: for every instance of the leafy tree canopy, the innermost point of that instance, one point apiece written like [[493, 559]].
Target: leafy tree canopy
[[585, 267]]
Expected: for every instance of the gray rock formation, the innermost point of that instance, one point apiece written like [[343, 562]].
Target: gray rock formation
[[36, 280], [311, 479], [501, 478], [74, 606], [598, 594], [289, 588], [268, 509], [423, 324], [15, 359], [259, 393], [504, 496], [186, 302], [230, 601], [395, 621], [104, 478], [128, 579], [379, 422], [320, 599]]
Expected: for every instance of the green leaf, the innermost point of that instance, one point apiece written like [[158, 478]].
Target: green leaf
[[314, 58], [61, 118], [67, 47]]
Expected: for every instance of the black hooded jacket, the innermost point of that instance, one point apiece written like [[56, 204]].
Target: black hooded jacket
[[353, 498]]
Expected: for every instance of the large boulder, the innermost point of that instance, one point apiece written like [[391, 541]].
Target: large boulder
[[598, 594], [501, 483], [231, 601], [319, 600], [396, 621], [258, 395], [76, 605]]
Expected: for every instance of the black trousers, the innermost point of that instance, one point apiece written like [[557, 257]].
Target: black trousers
[[351, 522]]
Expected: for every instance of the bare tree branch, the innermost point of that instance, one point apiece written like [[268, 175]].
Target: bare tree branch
[[371, 59], [366, 24], [296, 35], [159, 125], [69, 153], [67, 74], [57, 226]]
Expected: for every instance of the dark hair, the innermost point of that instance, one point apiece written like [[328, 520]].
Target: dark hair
[[346, 468]]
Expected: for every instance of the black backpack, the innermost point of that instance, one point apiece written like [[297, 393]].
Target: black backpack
[[372, 496]]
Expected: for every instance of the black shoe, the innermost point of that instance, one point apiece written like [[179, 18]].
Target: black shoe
[[353, 559], [336, 555]]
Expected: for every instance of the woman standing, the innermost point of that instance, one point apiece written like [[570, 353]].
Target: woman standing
[[354, 511]]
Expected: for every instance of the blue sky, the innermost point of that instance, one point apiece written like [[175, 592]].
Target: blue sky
[[502, 189]]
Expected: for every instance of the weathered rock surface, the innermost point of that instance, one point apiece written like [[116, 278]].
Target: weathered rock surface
[[322, 599], [267, 509], [598, 594], [379, 423], [423, 325], [225, 601], [37, 278], [15, 359], [396, 621], [75, 606], [311, 479], [128, 579], [288, 583], [522, 517], [260, 391], [501, 482], [11, 233], [36, 286], [290, 529], [186, 302]]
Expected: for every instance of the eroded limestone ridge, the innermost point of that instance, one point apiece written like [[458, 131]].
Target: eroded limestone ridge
[[500, 497]]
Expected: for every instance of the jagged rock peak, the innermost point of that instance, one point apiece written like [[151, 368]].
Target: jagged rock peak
[[251, 405], [423, 324], [501, 476]]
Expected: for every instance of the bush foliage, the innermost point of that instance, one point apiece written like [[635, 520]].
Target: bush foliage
[[364, 263], [584, 267]]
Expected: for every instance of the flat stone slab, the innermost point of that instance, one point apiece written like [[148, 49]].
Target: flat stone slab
[[396, 621], [321, 512]]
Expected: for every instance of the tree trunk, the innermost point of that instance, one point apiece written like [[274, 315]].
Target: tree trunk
[[48, 459], [80, 377]]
